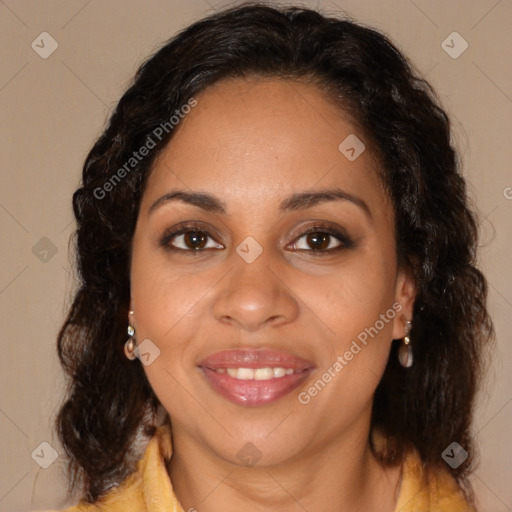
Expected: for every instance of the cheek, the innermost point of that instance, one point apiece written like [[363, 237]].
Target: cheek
[[359, 291], [163, 305], [162, 295], [357, 306], [167, 309]]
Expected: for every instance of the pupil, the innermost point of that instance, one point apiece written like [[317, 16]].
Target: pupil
[[318, 240], [195, 239]]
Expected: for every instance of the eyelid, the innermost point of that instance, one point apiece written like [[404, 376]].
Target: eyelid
[[345, 241], [183, 228]]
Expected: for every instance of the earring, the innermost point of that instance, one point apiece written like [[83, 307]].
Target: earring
[[129, 346], [405, 350]]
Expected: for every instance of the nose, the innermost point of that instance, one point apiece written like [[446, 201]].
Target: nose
[[255, 295]]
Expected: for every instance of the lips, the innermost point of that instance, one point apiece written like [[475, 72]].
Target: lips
[[254, 377]]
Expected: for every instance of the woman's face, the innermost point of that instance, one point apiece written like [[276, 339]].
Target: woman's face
[[275, 304]]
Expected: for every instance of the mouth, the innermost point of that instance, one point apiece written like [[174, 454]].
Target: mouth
[[254, 377]]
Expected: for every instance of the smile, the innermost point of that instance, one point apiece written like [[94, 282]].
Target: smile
[[256, 374], [254, 377]]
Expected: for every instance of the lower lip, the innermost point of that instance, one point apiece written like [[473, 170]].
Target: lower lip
[[253, 392]]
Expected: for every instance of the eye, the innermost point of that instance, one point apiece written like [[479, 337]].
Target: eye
[[317, 240], [190, 239], [321, 239]]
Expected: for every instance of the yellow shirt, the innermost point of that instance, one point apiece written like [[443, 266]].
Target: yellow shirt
[[149, 489]]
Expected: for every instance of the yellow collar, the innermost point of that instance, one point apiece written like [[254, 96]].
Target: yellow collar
[[149, 489]]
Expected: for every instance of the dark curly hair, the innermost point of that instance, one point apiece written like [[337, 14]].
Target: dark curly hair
[[110, 402]]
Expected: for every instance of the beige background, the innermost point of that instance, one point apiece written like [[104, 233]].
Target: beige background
[[52, 109]]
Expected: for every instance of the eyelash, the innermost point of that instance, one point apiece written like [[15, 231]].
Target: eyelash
[[345, 241]]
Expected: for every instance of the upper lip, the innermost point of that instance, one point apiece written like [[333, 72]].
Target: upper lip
[[250, 358]]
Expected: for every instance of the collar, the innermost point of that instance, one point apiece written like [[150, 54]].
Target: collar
[[149, 488]]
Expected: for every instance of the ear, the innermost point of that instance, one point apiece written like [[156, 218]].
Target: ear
[[405, 296]]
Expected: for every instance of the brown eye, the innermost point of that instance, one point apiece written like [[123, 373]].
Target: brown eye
[[322, 240], [195, 239], [189, 239], [318, 241]]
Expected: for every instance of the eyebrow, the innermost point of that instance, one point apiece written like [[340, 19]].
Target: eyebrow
[[297, 201]]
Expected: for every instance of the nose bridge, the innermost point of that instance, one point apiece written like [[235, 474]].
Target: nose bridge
[[254, 294]]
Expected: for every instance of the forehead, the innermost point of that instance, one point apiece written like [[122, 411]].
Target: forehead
[[251, 140]]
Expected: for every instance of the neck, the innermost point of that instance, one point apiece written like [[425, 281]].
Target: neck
[[341, 474]]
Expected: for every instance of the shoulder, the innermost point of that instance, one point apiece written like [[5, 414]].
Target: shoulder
[[148, 488], [429, 491]]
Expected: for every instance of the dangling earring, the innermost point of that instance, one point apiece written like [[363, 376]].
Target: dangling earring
[[129, 346], [405, 350]]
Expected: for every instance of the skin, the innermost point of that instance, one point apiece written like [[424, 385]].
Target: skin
[[252, 143]]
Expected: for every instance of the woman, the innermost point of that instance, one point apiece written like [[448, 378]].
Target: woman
[[276, 221]]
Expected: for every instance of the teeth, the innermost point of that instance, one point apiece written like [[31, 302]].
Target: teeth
[[245, 374], [265, 373], [279, 372]]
